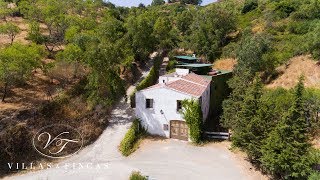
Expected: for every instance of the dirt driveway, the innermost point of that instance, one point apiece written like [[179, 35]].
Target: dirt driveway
[[174, 159], [159, 159]]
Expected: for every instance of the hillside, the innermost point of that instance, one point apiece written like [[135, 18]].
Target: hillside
[[71, 61], [289, 74]]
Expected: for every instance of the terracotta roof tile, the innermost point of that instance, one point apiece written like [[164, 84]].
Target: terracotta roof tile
[[196, 79], [191, 84], [187, 87]]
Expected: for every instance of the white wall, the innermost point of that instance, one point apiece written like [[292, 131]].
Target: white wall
[[164, 99], [182, 72]]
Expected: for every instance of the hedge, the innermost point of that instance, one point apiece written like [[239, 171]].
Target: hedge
[[150, 80], [171, 65], [130, 141]]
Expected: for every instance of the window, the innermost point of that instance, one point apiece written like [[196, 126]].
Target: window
[[179, 105], [149, 103]]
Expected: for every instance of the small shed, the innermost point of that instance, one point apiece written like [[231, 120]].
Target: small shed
[[201, 69], [186, 59]]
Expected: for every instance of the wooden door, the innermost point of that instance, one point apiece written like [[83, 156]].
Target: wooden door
[[178, 130]]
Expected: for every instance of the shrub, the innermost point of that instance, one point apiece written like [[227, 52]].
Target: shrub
[[149, 80], [314, 176], [249, 5], [193, 115], [17, 140], [299, 27], [284, 8], [171, 65], [229, 51], [130, 141], [136, 175]]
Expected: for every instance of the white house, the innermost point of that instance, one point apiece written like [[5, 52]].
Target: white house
[[158, 106]]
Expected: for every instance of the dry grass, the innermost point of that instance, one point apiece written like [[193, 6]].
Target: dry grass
[[297, 66], [225, 64], [258, 28]]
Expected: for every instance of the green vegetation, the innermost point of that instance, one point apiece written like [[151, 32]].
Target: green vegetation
[[136, 175], [16, 64], [273, 127], [193, 115], [150, 80], [314, 176], [106, 39], [286, 152], [131, 140], [153, 75], [10, 30]]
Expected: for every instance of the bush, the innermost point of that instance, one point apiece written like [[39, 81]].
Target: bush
[[136, 175], [130, 141], [229, 51], [16, 140], [149, 80], [171, 65], [249, 5], [314, 176], [300, 27], [284, 8]]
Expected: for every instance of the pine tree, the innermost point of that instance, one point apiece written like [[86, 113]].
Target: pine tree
[[248, 109], [250, 61], [286, 151]]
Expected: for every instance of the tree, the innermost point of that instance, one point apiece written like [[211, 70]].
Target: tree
[[250, 61], [209, 31], [140, 35], [247, 112], [286, 152], [195, 2], [4, 10], [16, 63], [10, 30], [164, 33], [256, 120], [157, 2], [141, 5], [34, 33], [193, 115], [184, 20]]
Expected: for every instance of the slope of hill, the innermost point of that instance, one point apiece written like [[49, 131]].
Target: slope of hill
[[297, 66]]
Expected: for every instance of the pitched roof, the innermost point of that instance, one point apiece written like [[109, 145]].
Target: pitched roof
[[187, 87], [196, 79], [191, 84]]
